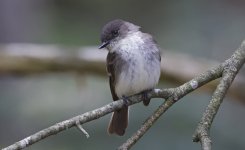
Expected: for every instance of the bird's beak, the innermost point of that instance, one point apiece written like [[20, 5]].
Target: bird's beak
[[104, 44]]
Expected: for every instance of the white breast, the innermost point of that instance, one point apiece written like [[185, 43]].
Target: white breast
[[139, 75]]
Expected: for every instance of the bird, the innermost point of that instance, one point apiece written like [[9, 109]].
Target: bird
[[133, 66]]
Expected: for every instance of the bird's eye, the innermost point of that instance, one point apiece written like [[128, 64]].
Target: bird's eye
[[115, 32]]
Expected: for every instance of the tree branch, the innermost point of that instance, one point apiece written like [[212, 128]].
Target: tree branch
[[231, 68], [228, 69], [83, 118]]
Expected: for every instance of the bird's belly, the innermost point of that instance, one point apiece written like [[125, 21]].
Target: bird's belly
[[137, 78]]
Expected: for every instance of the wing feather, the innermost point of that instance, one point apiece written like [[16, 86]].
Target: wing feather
[[111, 64]]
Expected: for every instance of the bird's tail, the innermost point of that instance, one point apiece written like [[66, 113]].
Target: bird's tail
[[119, 121]]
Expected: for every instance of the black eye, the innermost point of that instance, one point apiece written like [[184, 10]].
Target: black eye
[[115, 33]]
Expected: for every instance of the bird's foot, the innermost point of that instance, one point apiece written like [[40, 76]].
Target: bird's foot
[[145, 98], [125, 100]]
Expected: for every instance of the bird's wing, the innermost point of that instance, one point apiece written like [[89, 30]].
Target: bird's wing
[[113, 68]]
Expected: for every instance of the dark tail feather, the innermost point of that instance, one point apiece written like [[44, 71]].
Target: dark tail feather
[[119, 122]]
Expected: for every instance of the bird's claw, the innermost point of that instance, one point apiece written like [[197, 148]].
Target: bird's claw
[[125, 100], [145, 98]]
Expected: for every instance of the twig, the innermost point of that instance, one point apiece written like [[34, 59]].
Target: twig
[[231, 68], [80, 128]]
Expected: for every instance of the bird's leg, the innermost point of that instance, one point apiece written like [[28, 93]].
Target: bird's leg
[[125, 100], [145, 98]]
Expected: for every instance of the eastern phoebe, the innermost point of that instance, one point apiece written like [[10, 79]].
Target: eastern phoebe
[[133, 66]]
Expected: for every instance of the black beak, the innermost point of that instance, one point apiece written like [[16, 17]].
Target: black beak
[[104, 44]]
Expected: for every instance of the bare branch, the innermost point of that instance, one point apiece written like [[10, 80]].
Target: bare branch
[[231, 68], [80, 128], [83, 118]]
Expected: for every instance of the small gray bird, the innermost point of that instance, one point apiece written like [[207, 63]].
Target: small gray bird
[[133, 66]]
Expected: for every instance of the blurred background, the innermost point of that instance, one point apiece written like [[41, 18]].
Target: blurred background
[[29, 103]]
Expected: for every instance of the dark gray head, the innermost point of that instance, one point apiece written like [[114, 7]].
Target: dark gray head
[[115, 30]]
